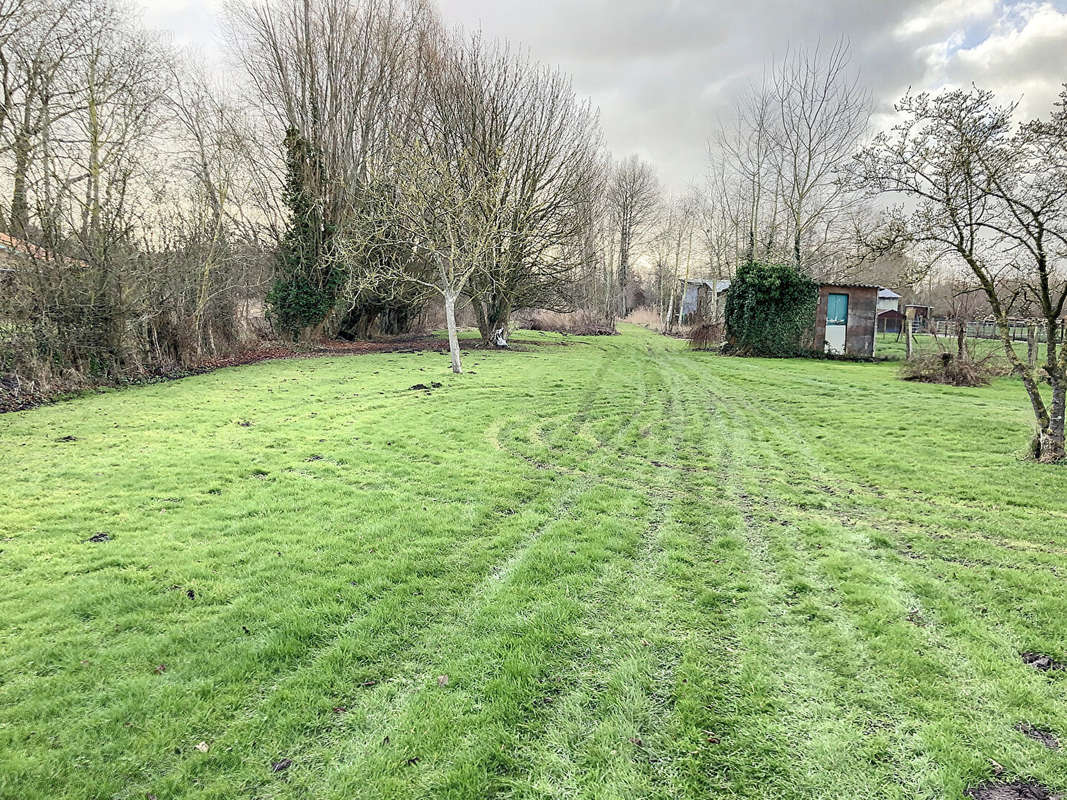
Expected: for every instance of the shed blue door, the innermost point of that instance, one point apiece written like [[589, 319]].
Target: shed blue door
[[836, 323], [837, 309]]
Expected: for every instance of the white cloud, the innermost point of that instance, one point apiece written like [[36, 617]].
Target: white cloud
[[1023, 57], [944, 16]]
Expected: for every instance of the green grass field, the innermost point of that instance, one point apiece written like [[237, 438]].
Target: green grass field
[[598, 568]]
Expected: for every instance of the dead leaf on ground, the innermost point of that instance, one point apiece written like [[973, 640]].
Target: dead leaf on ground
[[203, 747]]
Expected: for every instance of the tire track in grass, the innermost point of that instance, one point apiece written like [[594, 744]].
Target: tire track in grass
[[618, 681], [842, 638], [889, 501], [249, 723], [726, 680], [370, 642], [474, 612], [873, 507], [291, 661], [778, 659], [556, 451], [597, 683], [478, 766], [707, 575], [866, 624], [638, 722]]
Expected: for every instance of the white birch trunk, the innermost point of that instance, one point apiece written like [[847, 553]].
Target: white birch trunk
[[453, 335]]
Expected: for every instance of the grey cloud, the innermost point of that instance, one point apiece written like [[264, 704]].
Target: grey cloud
[[665, 73]]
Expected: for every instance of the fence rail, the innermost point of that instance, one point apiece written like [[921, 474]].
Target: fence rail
[[988, 330]]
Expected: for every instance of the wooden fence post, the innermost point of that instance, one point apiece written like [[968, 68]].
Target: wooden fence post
[[909, 322]]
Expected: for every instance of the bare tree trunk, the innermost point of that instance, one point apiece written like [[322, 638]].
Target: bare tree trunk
[[670, 314], [20, 207], [494, 319], [1052, 438], [961, 339], [688, 263], [1031, 343], [624, 271], [453, 335]]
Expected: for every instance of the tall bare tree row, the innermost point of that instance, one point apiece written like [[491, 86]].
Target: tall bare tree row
[[363, 81], [150, 205], [774, 178], [634, 198], [513, 158]]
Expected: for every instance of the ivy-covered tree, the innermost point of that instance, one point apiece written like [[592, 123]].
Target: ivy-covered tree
[[770, 310], [308, 278]]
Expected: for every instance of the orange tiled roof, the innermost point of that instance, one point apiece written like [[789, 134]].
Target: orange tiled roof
[[18, 246]]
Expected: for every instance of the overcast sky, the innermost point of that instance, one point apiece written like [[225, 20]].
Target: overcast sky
[[664, 72]]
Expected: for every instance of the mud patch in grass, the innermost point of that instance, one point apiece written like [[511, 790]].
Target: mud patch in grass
[[1011, 791], [1045, 737]]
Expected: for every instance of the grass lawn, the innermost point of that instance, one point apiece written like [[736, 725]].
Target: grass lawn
[[599, 568]]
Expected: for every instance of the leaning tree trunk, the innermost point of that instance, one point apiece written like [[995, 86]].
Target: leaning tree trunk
[[453, 335], [1050, 439]]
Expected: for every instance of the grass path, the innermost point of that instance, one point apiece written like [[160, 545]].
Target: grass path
[[599, 568]]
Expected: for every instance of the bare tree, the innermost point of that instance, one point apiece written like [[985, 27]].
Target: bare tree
[[821, 113], [123, 201], [633, 197], [993, 198], [431, 203], [40, 84], [523, 122], [744, 167], [774, 167], [347, 78]]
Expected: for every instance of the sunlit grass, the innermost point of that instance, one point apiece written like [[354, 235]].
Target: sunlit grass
[[603, 568]]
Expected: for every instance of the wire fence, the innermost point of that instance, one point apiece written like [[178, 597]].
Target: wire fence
[[1020, 331]]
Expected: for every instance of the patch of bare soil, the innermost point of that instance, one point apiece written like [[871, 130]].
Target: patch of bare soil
[[1011, 791], [1041, 662], [1045, 737]]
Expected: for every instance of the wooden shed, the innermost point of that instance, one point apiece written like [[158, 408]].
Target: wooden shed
[[890, 321], [846, 318], [697, 301]]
